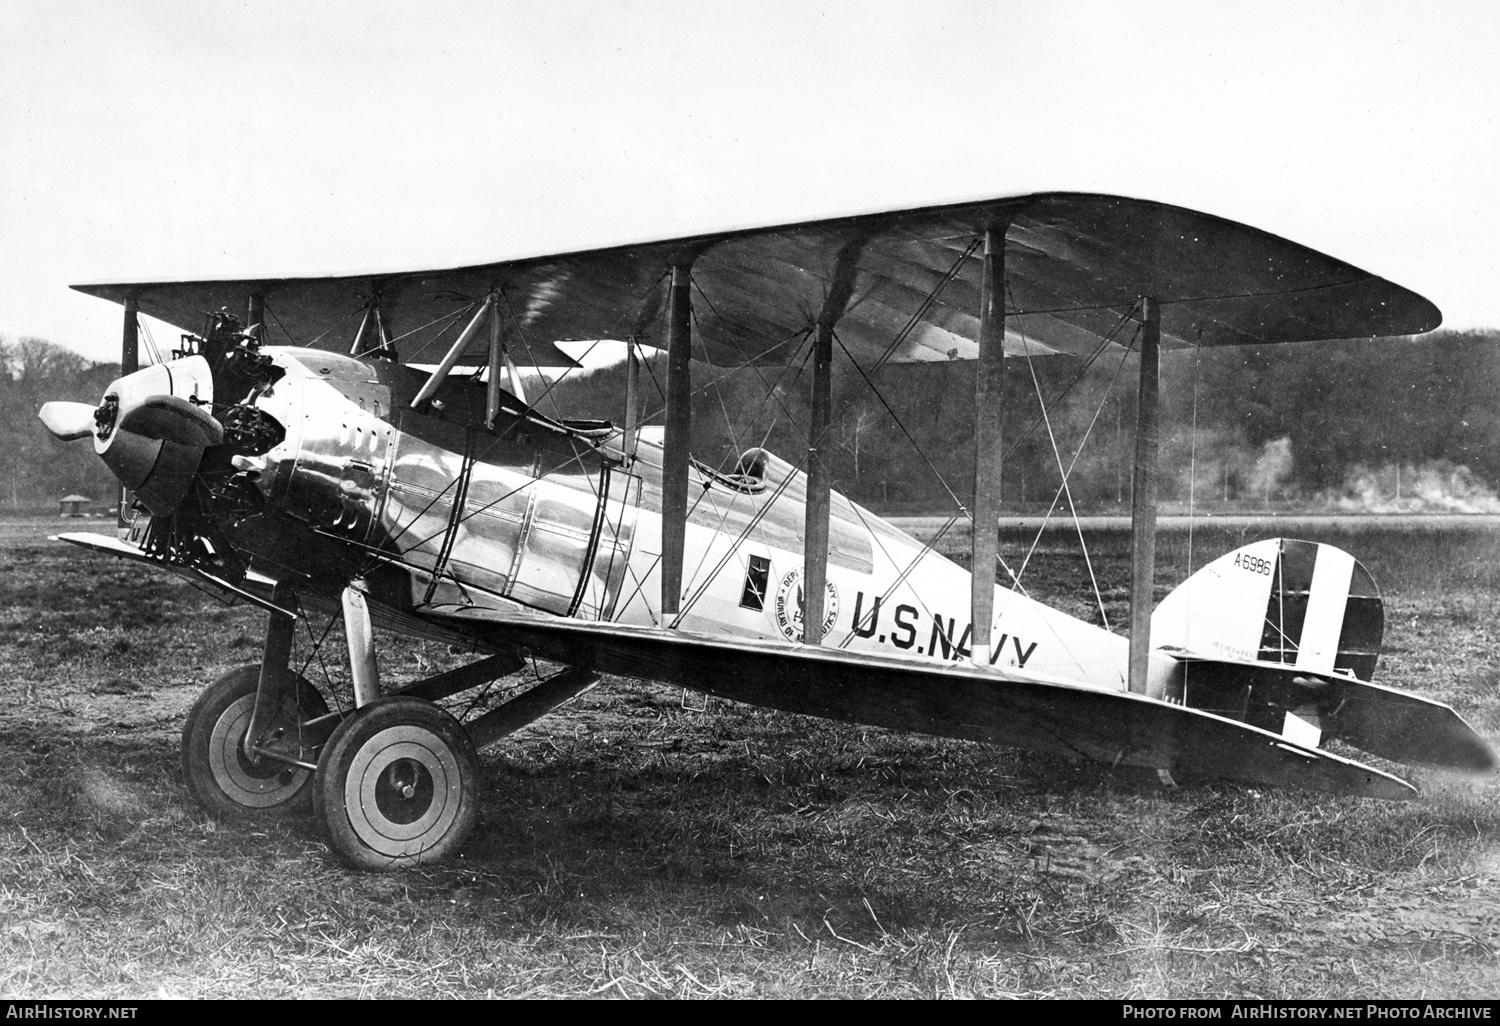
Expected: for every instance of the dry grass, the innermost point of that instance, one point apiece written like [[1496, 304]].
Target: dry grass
[[633, 847]]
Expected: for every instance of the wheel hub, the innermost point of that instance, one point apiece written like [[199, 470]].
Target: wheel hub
[[403, 791], [254, 783]]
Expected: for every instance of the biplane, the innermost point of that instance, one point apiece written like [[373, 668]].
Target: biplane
[[298, 458]]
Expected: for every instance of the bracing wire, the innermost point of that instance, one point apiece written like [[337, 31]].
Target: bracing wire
[[1064, 475], [916, 447], [1076, 456], [150, 342], [927, 302], [627, 312], [1193, 455], [748, 361], [962, 510], [1078, 376], [749, 528], [719, 395], [451, 317]]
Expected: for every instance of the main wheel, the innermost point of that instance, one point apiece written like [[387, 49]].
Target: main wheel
[[396, 785], [214, 765]]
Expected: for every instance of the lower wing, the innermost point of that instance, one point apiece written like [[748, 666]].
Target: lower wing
[[220, 588], [959, 701]]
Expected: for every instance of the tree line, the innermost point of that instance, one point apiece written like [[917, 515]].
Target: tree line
[[1291, 424], [34, 466], [1247, 425]]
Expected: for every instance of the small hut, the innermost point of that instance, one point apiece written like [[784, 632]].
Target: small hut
[[73, 506]]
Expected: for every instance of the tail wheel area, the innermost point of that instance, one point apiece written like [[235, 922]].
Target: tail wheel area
[[213, 762], [396, 785]]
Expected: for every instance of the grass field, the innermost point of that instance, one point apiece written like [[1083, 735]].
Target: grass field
[[634, 845]]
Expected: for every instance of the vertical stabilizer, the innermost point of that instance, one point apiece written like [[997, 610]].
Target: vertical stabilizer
[[1302, 604]]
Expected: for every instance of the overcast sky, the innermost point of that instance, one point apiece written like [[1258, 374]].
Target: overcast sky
[[196, 139]]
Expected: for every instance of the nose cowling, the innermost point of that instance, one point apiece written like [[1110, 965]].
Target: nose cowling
[[151, 429]]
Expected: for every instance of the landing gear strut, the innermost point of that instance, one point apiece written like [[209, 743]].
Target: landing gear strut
[[394, 782]]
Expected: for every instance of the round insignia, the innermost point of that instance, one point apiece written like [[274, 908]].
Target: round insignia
[[788, 608]]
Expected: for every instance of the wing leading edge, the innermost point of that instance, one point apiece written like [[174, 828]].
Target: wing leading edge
[[1076, 263]]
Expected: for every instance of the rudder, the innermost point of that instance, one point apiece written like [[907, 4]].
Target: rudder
[[1300, 604]]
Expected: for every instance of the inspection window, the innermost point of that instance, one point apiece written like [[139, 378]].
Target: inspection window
[[756, 578]]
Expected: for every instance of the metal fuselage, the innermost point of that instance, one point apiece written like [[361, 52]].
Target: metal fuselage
[[321, 481], [536, 515]]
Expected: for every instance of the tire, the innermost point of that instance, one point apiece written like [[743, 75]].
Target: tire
[[216, 771], [397, 785]]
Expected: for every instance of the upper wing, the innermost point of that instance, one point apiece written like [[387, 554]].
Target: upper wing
[[1075, 265]]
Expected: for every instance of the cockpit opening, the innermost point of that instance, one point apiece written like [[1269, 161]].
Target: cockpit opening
[[749, 474], [752, 465]]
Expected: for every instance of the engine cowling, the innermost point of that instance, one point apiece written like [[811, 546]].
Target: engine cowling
[[151, 429]]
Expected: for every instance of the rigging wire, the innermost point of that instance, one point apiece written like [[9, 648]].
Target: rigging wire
[[1104, 343], [927, 303], [797, 336], [1063, 474], [724, 516], [463, 516], [749, 528], [927, 547], [150, 341], [305, 345], [963, 510], [317, 650], [450, 317], [1193, 454], [801, 336], [739, 540], [734, 437], [770, 391], [1076, 456], [453, 319], [607, 334]]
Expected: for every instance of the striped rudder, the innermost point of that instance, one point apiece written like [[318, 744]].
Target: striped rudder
[[1300, 604]]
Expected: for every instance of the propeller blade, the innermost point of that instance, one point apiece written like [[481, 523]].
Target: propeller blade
[[172, 419], [68, 421]]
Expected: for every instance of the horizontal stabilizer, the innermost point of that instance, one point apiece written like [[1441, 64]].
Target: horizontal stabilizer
[[1406, 728], [959, 701], [1392, 724]]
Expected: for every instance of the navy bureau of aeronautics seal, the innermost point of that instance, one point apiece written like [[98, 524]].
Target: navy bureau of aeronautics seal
[[788, 608]]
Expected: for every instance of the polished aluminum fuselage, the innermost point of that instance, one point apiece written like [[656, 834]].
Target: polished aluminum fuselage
[[536, 516]]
